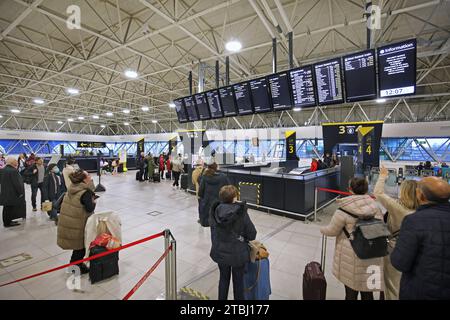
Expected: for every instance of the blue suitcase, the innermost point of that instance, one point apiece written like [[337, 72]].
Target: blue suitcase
[[257, 280]]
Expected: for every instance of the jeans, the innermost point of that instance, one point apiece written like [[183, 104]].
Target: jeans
[[53, 213], [34, 191], [238, 282], [177, 178], [351, 294]]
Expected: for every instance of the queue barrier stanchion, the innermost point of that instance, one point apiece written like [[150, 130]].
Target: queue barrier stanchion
[[131, 244], [167, 263], [173, 270], [148, 273]]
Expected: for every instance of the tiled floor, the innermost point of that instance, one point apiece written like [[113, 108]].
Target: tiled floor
[[291, 245]]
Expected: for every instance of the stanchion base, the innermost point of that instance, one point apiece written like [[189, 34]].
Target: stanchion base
[[100, 188]]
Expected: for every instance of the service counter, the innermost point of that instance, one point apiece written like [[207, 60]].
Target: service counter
[[90, 163]]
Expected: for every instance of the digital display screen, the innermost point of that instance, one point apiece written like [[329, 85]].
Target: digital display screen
[[360, 76], [181, 111], [329, 82], [243, 100], [190, 108], [397, 69], [260, 95], [228, 103], [202, 106], [214, 104], [279, 91], [302, 84]]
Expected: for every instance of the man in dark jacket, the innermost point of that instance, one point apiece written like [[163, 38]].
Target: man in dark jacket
[[35, 174], [210, 185], [422, 252], [12, 196], [231, 229], [53, 189], [140, 163]]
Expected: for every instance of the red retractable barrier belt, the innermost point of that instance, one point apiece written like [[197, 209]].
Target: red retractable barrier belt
[[338, 192], [149, 272], [131, 244]]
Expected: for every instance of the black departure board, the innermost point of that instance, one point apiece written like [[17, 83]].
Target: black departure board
[[181, 111], [279, 91], [302, 85], [329, 82], [202, 106], [228, 102], [214, 104], [360, 76], [260, 95], [190, 108], [397, 69], [243, 100]]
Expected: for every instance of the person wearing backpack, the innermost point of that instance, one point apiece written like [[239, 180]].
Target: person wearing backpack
[[231, 229], [356, 274], [397, 210]]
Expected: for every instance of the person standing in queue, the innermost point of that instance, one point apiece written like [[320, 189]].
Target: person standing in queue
[[141, 166], [12, 195], [53, 188], [177, 169], [78, 204], [422, 251], [36, 174], [397, 210], [327, 160], [68, 169], [231, 229], [22, 160], [314, 165], [347, 267], [211, 183], [150, 166], [162, 165], [196, 180]]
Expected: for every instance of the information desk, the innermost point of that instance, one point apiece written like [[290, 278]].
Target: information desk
[[90, 163], [285, 194]]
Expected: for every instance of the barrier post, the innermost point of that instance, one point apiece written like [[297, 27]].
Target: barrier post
[[167, 263], [315, 204], [173, 270]]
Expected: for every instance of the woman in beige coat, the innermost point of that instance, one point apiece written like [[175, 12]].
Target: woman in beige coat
[[397, 210], [364, 276]]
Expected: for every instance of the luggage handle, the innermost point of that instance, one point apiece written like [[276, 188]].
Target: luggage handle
[[323, 253]]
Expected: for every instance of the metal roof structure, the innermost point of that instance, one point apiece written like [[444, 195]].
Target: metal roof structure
[[42, 55]]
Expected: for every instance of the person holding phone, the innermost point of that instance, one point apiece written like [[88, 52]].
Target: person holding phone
[[78, 204]]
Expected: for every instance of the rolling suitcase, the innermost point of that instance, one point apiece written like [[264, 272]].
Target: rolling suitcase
[[184, 181], [138, 175], [104, 267], [156, 177], [168, 175], [314, 282], [257, 280]]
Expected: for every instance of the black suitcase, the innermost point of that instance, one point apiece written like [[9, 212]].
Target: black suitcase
[[314, 282], [156, 177], [104, 267], [138, 175], [168, 175], [184, 181]]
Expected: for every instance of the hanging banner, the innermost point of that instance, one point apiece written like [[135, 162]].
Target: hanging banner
[[88, 144], [291, 145], [365, 136], [140, 147]]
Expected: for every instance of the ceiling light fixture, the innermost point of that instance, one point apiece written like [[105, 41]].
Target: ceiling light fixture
[[297, 109], [154, 121], [60, 122], [15, 110], [103, 126], [126, 111], [38, 101], [73, 91], [381, 100], [80, 118], [131, 74], [145, 108], [70, 120], [95, 117], [172, 105], [233, 46], [126, 123], [109, 114]]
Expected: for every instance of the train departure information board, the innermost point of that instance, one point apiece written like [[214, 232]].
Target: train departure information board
[[243, 101], [328, 82], [228, 103], [181, 111], [190, 108], [302, 84], [279, 91], [202, 106], [214, 103], [397, 69], [260, 95], [360, 76]]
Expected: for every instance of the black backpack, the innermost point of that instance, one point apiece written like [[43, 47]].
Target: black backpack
[[104, 267], [370, 237]]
